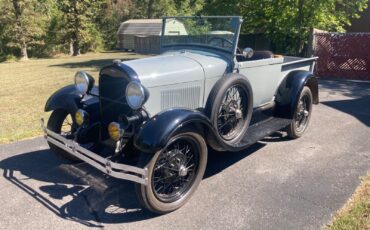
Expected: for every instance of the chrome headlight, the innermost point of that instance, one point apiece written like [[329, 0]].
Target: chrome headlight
[[135, 95], [83, 82]]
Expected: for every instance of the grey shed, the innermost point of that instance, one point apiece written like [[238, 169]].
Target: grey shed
[[137, 27], [141, 28]]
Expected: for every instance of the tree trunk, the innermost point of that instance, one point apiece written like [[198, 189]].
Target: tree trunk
[[300, 18], [76, 31], [76, 48], [24, 54], [22, 37], [71, 48], [150, 9]]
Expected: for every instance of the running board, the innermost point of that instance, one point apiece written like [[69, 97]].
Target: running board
[[260, 130]]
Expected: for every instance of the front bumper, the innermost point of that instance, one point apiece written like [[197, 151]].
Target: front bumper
[[117, 170]]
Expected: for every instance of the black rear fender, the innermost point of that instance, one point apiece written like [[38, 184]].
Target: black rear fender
[[290, 89], [157, 131]]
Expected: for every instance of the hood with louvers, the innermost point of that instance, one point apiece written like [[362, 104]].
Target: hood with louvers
[[174, 68], [176, 79]]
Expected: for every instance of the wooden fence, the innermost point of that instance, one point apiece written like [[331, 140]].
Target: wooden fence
[[147, 44], [343, 55]]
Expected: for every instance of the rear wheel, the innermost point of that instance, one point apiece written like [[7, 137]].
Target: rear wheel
[[61, 122], [174, 173], [302, 115]]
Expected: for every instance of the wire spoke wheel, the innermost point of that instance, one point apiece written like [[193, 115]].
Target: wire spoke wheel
[[232, 112], [174, 172], [175, 169], [67, 127], [229, 108], [61, 122], [302, 114]]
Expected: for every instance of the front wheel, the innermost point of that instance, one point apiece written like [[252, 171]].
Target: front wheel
[[174, 173], [302, 115], [61, 122]]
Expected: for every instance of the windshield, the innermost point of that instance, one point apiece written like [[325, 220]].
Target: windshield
[[210, 32]]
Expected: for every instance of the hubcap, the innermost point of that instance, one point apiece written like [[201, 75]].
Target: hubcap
[[238, 114], [183, 171]]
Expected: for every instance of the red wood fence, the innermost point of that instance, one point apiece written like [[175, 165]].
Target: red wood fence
[[343, 55]]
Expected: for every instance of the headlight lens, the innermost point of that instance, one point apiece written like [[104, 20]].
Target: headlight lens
[[81, 117], [135, 95], [115, 131], [82, 82]]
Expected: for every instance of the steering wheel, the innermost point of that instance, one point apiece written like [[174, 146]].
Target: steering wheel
[[238, 50], [223, 40]]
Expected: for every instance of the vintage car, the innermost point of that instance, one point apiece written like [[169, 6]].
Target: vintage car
[[152, 120]]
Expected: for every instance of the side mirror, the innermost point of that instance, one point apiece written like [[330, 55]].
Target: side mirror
[[248, 52]]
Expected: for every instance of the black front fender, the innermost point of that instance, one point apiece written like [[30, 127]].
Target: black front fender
[[66, 98], [290, 89], [157, 131]]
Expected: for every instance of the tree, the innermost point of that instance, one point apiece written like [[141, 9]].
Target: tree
[[160, 8], [288, 22], [78, 18], [23, 24], [110, 17], [150, 8]]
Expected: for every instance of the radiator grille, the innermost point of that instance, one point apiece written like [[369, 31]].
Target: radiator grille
[[187, 97]]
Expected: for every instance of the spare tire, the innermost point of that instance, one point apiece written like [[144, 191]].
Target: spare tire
[[229, 108]]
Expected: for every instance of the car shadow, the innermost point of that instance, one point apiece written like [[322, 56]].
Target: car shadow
[[88, 196], [278, 136], [219, 161]]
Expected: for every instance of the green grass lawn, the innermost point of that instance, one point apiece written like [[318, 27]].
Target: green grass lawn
[[355, 215], [25, 87]]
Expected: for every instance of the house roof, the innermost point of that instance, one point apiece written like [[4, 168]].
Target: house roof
[[141, 27]]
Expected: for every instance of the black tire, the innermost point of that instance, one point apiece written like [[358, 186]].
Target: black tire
[[149, 195], [55, 124], [302, 115], [215, 105]]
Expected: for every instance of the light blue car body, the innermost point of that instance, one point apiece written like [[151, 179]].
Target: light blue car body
[[184, 76]]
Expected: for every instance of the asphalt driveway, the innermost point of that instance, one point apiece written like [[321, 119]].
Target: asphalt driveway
[[275, 184]]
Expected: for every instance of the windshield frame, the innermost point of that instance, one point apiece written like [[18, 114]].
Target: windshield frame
[[206, 47]]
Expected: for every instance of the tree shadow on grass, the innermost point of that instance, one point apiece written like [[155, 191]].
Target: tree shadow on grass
[[88, 196], [96, 64]]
